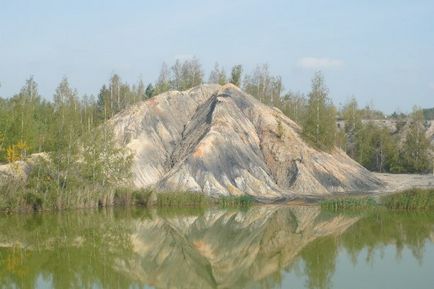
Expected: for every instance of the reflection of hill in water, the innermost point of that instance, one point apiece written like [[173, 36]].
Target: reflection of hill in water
[[215, 249], [224, 249]]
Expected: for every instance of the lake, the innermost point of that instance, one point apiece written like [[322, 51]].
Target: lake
[[259, 247]]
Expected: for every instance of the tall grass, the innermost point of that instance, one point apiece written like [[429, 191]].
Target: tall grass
[[14, 196], [348, 203], [416, 199], [181, 199], [409, 200]]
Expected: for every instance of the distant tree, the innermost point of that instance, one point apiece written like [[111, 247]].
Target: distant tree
[[28, 118], [140, 92], [186, 74], [294, 106], [192, 73], [89, 113], [264, 86], [150, 91], [163, 82], [236, 72], [217, 75], [320, 124], [104, 103], [353, 124], [176, 77], [369, 112], [375, 148], [66, 103], [116, 96], [26, 99], [428, 113], [415, 149]]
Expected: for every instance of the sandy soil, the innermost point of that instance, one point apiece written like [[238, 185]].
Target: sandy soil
[[399, 182]]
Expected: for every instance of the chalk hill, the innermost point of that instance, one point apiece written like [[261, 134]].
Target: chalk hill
[[221, 141]]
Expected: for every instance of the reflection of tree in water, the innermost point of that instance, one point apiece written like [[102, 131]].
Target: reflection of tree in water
[[372, 232], [69, 250], [319, 259], [379, 229], [224, 249]]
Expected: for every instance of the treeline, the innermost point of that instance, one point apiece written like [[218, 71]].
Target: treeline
[[29, 123]]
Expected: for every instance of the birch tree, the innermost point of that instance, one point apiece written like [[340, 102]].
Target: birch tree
[[320, 124]]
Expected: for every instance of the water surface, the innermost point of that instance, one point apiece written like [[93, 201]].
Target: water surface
[[262, 247]]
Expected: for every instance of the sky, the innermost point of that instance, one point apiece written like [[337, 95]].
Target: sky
[[380, 52]]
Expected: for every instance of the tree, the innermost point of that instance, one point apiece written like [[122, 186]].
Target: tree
[[353, 124], [28, 118], [139, 92], [264, 86], [186, 74], [217, 75], [163, 82], [236, 72], [150, 91], [104, 105], [176, 79], [294, 106], [375, 148], [192, 73], [116, 96], [320, 124], [415, 155], [68, 127], [103, 161]]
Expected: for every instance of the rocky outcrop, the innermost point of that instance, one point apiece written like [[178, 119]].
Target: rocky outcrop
[[221, 141]]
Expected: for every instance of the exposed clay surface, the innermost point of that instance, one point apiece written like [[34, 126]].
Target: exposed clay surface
[[399, 182]]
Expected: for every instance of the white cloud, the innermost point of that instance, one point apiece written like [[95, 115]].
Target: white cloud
[[318, 63]]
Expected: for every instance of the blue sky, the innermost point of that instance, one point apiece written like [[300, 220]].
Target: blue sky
[[381, 52]]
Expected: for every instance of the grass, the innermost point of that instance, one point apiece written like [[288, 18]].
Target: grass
[[15, 197], [409, 200], [416, 199], [181, 200], [236, 201], [348, 203]]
